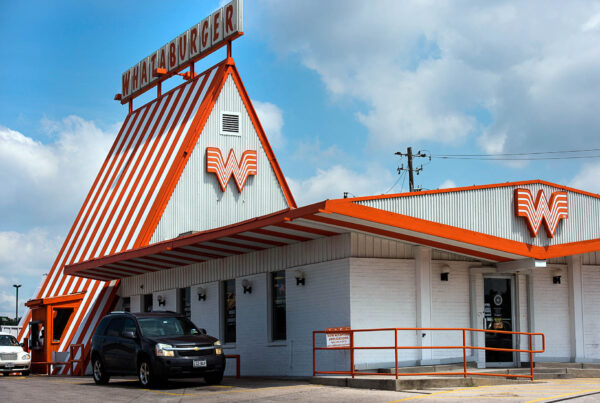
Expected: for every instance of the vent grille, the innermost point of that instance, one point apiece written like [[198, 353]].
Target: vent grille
[[230, 123]]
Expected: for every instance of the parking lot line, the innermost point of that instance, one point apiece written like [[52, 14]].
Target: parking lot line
[[230, 391], [563, 395], [424, 396]]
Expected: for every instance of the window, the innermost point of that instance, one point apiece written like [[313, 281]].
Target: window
[[184, 302], [114, 327], [278, 329], [229, 311], [147, 303], [127, 304], [128, 326], [61, 317]]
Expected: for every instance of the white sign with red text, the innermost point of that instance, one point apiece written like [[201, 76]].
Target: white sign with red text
[[337, 339], [201, 38]]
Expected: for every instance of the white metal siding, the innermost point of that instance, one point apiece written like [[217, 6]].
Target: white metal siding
[[590, 276], [197, 203], [491, 211], [382, 293], [363, 245]]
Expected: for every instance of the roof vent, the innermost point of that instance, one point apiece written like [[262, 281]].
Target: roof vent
[[230, 123]]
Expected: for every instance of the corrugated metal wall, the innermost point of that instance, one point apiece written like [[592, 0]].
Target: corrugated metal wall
[[491, 211], [197, 202]]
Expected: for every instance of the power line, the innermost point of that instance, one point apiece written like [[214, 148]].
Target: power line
[[494, 158], [509, 154], [395, 183]]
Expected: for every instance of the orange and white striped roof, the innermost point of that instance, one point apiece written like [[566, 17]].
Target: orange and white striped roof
[[130, 192]]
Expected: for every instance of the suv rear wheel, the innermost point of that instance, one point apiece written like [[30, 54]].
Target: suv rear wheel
[[98, 372]]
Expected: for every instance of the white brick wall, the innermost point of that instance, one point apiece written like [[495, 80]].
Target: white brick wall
[[171, 300], [551, 306], [591, 311], [205, 314], [450, 307], [382, 295]]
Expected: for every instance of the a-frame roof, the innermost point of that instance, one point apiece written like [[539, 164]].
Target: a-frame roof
[[132, 188]]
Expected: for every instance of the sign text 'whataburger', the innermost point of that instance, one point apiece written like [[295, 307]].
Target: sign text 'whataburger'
[[201, 39]]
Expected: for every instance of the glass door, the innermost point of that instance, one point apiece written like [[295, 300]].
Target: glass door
[[498, 315]]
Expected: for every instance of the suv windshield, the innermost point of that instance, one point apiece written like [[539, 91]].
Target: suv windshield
[[167, 326], [7, 340]]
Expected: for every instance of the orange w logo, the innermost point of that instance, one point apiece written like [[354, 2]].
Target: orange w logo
[[540, 211], [225, 170]]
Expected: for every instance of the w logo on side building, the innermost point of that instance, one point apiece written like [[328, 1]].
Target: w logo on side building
[[540, 210], [226, 169]]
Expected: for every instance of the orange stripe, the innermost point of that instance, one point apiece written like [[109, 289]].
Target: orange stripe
[[152, 156], [118, 175]]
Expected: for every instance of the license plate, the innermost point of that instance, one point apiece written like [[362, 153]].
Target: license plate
[[11, 365], [199, 363]]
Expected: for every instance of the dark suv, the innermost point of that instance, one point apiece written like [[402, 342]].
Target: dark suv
[[156, 346]]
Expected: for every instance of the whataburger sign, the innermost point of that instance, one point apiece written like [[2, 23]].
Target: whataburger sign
[[201, 39]]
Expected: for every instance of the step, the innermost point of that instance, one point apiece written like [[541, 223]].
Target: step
[[425, 368], [411, 383], [559, 365], [584, 372]]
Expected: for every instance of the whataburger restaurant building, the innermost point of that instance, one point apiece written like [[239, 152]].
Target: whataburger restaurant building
[[190, 212]]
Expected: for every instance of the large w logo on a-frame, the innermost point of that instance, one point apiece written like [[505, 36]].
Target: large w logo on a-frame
[[541, 210], [225, 170]]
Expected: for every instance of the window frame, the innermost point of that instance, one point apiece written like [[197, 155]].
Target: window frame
[[223, 313], [271, 307]]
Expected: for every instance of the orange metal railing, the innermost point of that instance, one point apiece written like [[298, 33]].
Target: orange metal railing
[[464, 347]]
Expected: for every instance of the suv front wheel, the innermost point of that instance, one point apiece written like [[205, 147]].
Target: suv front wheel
[[145, 374], [98, 372]]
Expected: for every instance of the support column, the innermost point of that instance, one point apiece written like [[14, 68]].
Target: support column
[[423, 300], [135, 303], [576, 307]]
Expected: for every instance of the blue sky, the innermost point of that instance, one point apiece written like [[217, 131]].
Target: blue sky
[[339, 85]]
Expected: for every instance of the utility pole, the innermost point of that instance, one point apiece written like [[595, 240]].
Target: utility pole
[[17, 304], [409, 154]]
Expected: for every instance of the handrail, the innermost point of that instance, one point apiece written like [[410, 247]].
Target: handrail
[[464, 347]]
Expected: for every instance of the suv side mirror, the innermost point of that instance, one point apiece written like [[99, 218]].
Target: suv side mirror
[[202, 331], [130, 334]]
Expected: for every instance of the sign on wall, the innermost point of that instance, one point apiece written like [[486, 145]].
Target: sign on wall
[[231, 167], [202, 38], [541, 211]]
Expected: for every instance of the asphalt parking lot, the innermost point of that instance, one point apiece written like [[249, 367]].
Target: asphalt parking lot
[[61, 389]]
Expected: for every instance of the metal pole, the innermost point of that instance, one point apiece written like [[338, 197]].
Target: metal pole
[[17, 304], [411, 181], [464, 353]]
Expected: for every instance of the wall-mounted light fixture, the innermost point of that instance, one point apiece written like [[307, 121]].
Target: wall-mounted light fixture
[[247, 284], [161, 300], [556, 275], [299, 275], [445, 273], [201, 294]]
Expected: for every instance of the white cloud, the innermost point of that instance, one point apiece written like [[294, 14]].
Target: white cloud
[[588, 178], [44, 184], [333, 182], [271, 119], [427, 70], [447, 184]]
